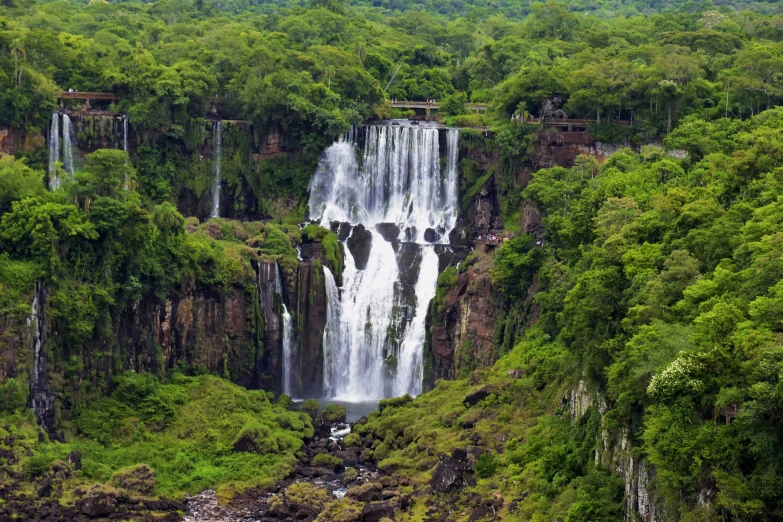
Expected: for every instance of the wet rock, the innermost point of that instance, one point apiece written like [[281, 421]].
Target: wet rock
[[431, 236], [360, 243], [375, 511], [448, 475], [389, 231], [342, 230]]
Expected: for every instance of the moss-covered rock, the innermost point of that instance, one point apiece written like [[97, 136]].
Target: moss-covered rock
[[333, 413], [139, 479]]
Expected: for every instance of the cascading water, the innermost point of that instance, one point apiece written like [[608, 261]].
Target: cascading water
[[400, 181], [42, 405], [54, 151], [288, 336], [68, 140], [410, 362], [372, 347], [125, 133], [217, 133]]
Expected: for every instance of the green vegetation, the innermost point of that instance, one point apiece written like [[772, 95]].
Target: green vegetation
[[188, 429], [657, 321], [327, 461]]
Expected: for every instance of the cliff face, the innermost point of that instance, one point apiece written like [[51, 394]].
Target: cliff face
[[462, 333], [197, 329]]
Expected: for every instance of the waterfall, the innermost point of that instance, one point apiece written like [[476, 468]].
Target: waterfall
[[410, 363], [333, 328], [38, 387], [54, 151], [375, 323], [217, 137], [125, 133], [400, 181], [288, 335], [68, 140]]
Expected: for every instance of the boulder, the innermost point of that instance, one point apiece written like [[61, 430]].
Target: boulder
[[460, 454], [479, 395], [75, 460], [359, 243], [516, 374], [139, 479], [375, 511], [366, 492], [448, 475], [99, 503]]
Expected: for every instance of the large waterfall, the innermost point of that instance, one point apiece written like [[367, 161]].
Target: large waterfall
[[217, 137], [54, 151], [376, 321]]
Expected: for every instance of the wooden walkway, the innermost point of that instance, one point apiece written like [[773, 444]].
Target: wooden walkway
[[403, 104]]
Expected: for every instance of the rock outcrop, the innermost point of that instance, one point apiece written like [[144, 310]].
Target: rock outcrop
[[462, 331]]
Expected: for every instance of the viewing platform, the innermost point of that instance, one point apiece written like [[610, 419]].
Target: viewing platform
[[427, 106], [87, 96]]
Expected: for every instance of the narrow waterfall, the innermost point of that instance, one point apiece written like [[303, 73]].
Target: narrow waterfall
[[125, 133], [333, 328], [42, 406], [217, 144], [54, 151], [375, 328], [288, 335], [68, 142]]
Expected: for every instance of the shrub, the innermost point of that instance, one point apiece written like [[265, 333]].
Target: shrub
[[13, 397], [310, 407], [353, 440], [324, 460], [486, 466], [350, 475], [394, 402], [254, 437], [333, 413]]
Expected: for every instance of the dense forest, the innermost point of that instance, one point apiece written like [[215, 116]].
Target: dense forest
[[656, 332]]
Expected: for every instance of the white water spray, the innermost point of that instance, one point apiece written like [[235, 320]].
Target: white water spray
[[400, 181], [288, 335], [217, 145], [410, 361], [125, 133], [69, 139], [54, 151]]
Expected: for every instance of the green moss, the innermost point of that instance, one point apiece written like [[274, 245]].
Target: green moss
[[326, 460], [333, 413], [352, 440]]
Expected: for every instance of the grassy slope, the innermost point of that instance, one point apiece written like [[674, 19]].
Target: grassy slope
[[185, 429]]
